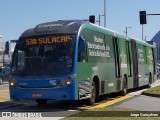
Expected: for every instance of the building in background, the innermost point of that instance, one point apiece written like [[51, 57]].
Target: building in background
[[156, 39], [4, 59]]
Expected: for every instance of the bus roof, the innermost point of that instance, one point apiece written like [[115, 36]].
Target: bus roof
[[73, 27], [104, 30], [114, 33], [56, 27]]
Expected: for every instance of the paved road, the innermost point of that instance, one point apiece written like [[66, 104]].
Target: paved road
[[141, 102], [4, 86], [4, 92], [62, 109]]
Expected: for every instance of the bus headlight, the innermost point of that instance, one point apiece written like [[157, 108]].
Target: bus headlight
[[12, 83], [68, 82], [65, 83]]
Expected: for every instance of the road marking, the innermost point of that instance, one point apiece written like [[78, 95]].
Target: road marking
[[4, 90], [71, 110], [4, 95], [108, 103], [3, 100]]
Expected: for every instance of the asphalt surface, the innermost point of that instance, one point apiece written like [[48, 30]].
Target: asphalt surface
[[4, 92], [63, 109], [4, 86], [141, 103]]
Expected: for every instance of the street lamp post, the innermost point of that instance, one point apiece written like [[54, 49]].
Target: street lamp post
[[99, 19], [104, 13], [127, 30], [146, 38], [2, 51]]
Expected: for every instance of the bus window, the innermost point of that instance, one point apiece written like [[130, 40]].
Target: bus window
[[21, 60], [117, 59], [154, 65], [50, 54], [82, 52], [129, 58]]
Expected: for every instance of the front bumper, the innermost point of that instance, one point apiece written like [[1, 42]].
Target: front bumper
[[58, 94]]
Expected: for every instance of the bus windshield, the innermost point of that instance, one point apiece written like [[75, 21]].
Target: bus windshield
[[47, 54]]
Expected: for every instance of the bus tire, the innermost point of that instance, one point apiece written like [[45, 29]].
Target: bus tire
[[92, 99], [41, 102], [1, 81], [124, 89], [150, 80]]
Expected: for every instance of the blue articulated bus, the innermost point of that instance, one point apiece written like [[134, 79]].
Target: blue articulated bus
[[75, 60]]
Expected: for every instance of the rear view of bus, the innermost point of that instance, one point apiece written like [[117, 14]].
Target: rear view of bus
[[43, 63]]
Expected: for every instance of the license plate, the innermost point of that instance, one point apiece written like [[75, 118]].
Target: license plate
[[37, 95]]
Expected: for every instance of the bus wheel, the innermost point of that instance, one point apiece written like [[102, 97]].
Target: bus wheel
[[1, 81], [41, 102], [92, 100], [150, 80], [124, 90]]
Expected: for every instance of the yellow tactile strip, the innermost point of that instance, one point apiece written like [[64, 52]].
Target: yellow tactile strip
[[108, 103]]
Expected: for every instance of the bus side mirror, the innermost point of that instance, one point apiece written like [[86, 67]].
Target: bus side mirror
[[7, 47]]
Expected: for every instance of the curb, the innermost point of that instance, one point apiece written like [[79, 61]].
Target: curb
[[109, 103], [150, 94], [155, 84]]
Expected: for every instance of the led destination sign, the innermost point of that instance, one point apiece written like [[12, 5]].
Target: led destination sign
[[48, 40]]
